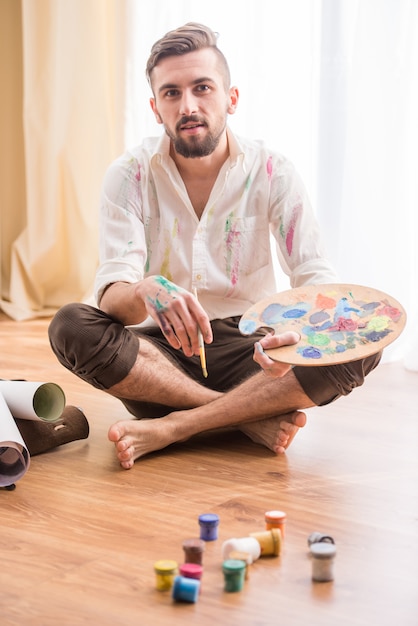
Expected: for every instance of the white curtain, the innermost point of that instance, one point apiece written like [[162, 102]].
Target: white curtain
[[333, 85], [69, 56]]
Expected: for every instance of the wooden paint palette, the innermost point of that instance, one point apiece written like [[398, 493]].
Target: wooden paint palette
[[337, 323]]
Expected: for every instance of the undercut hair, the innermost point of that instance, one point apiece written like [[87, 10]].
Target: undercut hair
[[188, 38]]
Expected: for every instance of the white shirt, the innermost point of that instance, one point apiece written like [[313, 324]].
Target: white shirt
[[148, 227]]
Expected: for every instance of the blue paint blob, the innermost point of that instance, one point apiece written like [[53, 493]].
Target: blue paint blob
[[275, 313], [370, 306], [311, 353], [247, 327], [272, 314], [318, 317], [294, 313], [340, 348], [316, 329], [374, 335]]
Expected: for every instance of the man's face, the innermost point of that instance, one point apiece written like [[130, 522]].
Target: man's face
[[192, 101]]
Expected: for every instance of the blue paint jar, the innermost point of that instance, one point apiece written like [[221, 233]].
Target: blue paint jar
[[208, 523], [185, 589]]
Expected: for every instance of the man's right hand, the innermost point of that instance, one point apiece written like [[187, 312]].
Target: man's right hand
[[177, 312]]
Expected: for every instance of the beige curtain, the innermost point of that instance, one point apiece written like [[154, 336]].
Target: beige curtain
[[62, 121]]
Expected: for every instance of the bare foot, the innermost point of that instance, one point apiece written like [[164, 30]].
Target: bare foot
[[276, 433], [135, 438]]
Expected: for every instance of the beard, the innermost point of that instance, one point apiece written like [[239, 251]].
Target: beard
[[195, 147]]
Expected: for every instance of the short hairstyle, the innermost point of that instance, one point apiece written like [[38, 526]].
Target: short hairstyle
[[188, 38]]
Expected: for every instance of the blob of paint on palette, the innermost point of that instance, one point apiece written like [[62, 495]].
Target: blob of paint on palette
[[337, 323]]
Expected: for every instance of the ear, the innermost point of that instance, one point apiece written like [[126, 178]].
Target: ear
[[154, 110], [233, 100]]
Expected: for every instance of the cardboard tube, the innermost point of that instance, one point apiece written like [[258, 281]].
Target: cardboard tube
[[14, 456], [33, 400]]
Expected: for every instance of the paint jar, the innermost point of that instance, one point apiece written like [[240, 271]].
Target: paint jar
[[239, 555], [234, 574], [185, 589], [317, 537], [193, 550], [270, 541], [275, 519], [242, 544], [165, 572], [323, 555], [208, 523], [191, 570]]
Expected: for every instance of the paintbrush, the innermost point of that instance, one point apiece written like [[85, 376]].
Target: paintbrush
[[201, 345]]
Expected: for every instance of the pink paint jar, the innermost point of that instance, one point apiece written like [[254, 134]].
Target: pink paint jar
[[191, 570]]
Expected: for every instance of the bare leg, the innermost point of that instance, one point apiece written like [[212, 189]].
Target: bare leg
[[257, 399], [153, 372]]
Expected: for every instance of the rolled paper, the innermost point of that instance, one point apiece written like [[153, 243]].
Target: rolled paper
[[33, 400], [14, 456]]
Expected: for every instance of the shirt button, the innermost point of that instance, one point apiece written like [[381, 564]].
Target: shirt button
[[198, 277]]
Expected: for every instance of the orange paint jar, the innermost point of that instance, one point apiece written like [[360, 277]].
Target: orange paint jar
[[275, 519]]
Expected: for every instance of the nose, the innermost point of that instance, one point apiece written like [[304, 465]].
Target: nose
[[188, 104]]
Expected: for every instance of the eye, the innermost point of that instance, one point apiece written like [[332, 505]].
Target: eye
[[171, 93], [202, 88]]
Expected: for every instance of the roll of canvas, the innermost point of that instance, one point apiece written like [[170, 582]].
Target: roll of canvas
[[14, 455], [33, 400]]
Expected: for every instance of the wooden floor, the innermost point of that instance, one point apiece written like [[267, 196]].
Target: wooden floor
[[79, 536]]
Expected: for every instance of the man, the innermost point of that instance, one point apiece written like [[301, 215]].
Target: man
[[193, 210]]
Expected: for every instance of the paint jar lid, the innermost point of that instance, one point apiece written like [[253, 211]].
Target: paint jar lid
[[165, 567], [317, 537], [191, 570], [275, 516], [233, 566], [194, 545], [209, 519], [322, 550]]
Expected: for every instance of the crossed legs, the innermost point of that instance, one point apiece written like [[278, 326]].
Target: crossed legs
[[98, 349], [264, 408]]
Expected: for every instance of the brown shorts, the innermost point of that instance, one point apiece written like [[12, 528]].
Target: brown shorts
[[101, 351]]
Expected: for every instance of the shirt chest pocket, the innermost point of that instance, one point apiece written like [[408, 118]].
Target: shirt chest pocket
[[245, 245]]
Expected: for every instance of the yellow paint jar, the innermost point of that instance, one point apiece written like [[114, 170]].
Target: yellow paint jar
[[270, 541], [165, 572]]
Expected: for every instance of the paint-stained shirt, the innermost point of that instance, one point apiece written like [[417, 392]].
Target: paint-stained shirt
[[258, 208]]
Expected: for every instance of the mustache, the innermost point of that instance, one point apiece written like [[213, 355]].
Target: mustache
[[190, 119]]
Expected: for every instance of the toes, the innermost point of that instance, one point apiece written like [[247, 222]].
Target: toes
[[279, 450], [300, 419], [114, 434]]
